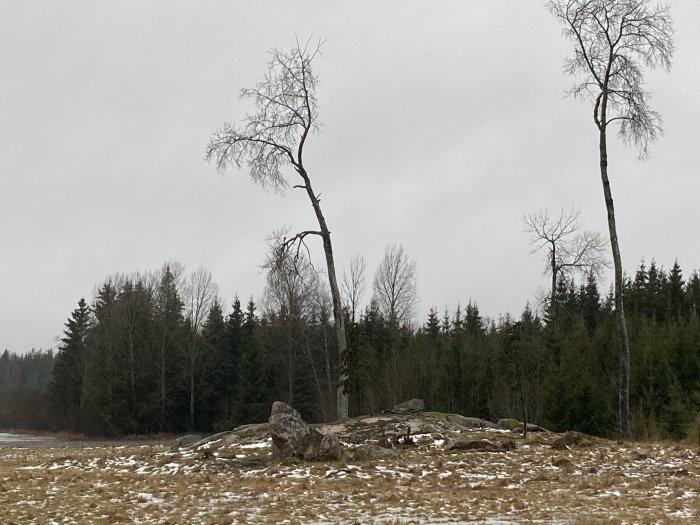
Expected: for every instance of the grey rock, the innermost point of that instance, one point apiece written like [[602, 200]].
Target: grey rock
[[256, 431], [292, 437], [329, 448], [186, 441], [216, 441], [514, 424], [470, 423], [566, 439], [509, 424], [412, 406]]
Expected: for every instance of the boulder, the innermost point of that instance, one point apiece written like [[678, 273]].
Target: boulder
[[412, 406], [515, 425], [186, 441], [329, 449], [566, 439], [292, 437], [509, 424], [255, 431], [470, 423]]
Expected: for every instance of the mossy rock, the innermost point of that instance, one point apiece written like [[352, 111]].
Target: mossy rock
[[510, 424], [438, 416]]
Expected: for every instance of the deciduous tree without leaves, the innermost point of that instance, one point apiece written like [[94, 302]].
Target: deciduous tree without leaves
[[272, 139], [395, 285], [567, 251], [613, 41]]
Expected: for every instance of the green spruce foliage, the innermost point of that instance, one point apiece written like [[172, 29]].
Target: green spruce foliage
[[122, 365]]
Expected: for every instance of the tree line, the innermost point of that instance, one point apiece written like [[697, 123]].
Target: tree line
[[613, 41], [157, 353]]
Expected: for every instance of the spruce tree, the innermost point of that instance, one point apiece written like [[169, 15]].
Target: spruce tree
[[250, 403], [676, 298], [68, 378], [168, 325], [432, 325]]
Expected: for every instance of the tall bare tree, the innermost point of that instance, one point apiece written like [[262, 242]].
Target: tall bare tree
[[296, 297], [395, 289], [353, 285], [567, 251], [273, 138], [613, 40], [200, 294]]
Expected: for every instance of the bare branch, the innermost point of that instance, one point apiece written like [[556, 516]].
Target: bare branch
[[395, 290], [613, 39], [353, 285], [584, 252], [272, 137]]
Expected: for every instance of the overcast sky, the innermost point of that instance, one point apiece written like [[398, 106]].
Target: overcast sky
[[443, 123]]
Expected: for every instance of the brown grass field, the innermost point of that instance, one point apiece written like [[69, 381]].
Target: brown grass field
[[601, 483]]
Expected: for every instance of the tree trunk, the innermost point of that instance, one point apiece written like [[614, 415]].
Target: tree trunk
[[554, 280], [341, 395], [191, 414], [623, 400]]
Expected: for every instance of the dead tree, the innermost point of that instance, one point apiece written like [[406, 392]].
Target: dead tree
[[567, 250], [273, 138], [613, 40]]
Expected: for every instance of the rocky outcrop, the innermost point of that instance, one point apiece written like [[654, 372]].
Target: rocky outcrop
[[470, 423], [238, 436], [292, 437], [186, 441], [412, 406], [515, 425]]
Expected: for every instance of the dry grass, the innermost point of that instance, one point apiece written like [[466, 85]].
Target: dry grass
[[603, 483]]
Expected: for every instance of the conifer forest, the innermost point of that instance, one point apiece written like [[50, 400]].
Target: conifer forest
[[158, 352]]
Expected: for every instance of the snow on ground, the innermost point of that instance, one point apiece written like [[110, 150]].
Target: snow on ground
[[242, 483]]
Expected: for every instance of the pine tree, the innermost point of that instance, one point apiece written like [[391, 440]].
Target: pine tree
[[676, 296], [168, 326], [232, 360], [675, 416], [250, 404], [212, 384], [68, 378], [102, 396], [432, 325], [589, 299], [655, 302], [692, 292]]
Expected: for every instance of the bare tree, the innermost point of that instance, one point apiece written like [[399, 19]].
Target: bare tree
[[296, 296], [567, 251], [199, 295], [395, 285], [273, 138], [353, 285], [290, 280], [613, 41]]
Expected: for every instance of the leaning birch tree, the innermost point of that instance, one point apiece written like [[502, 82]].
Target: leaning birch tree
[[613, 41], [272, 139]]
